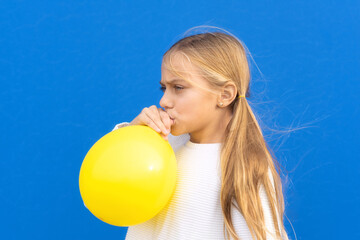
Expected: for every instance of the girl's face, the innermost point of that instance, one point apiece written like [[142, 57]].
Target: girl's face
[[192, 108]]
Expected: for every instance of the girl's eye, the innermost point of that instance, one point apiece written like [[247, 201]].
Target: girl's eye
[[176, 88]]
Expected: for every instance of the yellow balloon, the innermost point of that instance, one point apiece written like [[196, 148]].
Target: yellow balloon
[[128, 176]]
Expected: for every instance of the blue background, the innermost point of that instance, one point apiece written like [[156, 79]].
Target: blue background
[[71, 70]]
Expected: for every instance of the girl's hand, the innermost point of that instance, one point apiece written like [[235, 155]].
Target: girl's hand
[[156, 118]]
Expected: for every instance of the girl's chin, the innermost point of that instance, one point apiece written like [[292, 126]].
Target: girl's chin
[[176, 133], [173, 131]]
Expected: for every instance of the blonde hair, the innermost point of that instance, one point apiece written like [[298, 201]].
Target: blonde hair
[[247, 163]]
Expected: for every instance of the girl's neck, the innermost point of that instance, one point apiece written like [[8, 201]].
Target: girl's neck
[[214, 132]]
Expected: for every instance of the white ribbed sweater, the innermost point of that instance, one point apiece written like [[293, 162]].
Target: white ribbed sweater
[[194, 211]]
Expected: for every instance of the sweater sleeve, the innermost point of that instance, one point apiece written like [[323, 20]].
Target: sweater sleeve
[[269, 223], [240, 225], [123, 124], [175, 141]]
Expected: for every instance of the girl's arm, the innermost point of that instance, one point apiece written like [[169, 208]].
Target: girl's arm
[[123, 124], [174, 141], [240, 224]]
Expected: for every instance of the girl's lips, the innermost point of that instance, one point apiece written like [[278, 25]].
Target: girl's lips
[[172, 119]]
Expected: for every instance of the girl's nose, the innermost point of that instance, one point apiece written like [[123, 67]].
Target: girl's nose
[[165, 102]]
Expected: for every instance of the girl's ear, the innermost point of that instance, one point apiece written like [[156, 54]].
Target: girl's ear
[[228, 94]]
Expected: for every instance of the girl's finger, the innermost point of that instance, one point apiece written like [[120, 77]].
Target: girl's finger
[[165, 119], [145, 120], [153, 114]]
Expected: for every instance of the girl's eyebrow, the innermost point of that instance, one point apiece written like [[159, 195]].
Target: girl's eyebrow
[[174, 80]]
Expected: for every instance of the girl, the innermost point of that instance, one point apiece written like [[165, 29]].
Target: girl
[[227, 180]]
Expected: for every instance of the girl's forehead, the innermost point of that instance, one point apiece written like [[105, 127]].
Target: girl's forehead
[[179, 66], [187, 74], [178, 60]]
